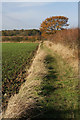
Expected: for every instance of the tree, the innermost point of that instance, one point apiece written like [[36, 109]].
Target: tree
[[52, 24]]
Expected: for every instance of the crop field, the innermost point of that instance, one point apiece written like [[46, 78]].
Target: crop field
[[15, 57]]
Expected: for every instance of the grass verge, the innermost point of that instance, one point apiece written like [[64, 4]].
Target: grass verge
[[59, 89]]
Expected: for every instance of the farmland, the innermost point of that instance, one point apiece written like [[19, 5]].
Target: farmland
[[45, 85], [50, 88], [15, 57]]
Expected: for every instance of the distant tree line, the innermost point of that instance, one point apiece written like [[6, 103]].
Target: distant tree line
[[48, 27], [22, 32], [21, 38]]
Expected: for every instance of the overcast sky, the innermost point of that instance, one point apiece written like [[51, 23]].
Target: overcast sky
[[25, 15]]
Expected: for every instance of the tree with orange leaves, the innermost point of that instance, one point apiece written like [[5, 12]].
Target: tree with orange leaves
[[52, 24]]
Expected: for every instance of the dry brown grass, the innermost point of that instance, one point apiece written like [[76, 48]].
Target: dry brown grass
[[66, 44], [22, 103], [67, 37], [67, 54]]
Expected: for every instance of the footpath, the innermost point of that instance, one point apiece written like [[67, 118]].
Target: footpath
[[49, 91]]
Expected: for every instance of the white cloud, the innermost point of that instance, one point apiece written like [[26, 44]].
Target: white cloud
[[30, 4], [18, 20], [24, 15]]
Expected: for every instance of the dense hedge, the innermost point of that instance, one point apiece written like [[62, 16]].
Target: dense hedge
[[22, 32], [19, 39]]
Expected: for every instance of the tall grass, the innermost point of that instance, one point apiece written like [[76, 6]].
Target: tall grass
[[67, 37]]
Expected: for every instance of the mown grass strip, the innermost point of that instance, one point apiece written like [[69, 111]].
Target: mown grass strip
[[59, 90]]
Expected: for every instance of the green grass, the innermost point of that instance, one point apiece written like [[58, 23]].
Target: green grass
[[15, 57], [59, 90]]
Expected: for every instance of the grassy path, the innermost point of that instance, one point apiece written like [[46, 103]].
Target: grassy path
[[50, 91], [58, 89]]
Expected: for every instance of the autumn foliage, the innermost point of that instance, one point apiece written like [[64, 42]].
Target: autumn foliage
[[52, 24]]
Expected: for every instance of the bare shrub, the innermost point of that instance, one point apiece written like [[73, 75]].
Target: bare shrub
[[67, 37]]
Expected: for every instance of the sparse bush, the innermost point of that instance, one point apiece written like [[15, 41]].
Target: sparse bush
[[67, 37]]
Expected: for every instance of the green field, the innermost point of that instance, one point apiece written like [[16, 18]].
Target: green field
[[15, 56]]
